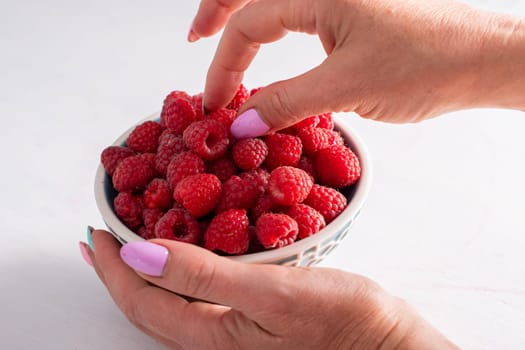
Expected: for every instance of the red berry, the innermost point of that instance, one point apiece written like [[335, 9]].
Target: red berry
[[169, 146], [128, 208], [249, 153], [258, 177], [177, 114], [112, 155], [229, 232], [315, 139], [337, 166], [207, 138], [196, 101], [145, 137], [282, 150], [289, 185], [199, 193], [276, 230], [178, 225], [158, 194], [150, 217], [264, 204], [133, 173], [308, 220], [237, 193], [241, 95], [327, 201], [310, 122], [183, 165], [307, 164], [326, 121], [255, 90], [223, 168], [224, 116]]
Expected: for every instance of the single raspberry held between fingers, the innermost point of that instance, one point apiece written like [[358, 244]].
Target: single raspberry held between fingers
[[133, 173], [276, 230], [249, 154], [196, 101], [128, 208], [178, 225], [145, 137], [289, 185], [241, 95], [183, 165], [207, 138], [158, 194], [327, 201], [112, 155], [282, 150], [177, 114], [228, 232], [308, 219], [337, 166], [199, 194]]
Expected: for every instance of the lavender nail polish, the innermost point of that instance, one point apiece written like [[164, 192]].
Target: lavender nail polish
[[145, 257], [248, 124]]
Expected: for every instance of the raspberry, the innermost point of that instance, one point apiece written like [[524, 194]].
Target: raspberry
[[196, 101], [264, 204], [258, 177], [337, 166], [128, 208], [326, 121], [276, 230], [169, 146], [255, 90], [150, 217], [207, 138], [282, 150], [249, 153], [307, 164], [199, 193], [177, 114], [229, 232], [223, 168], [289, 185], [148, 157], [315, 139], [224, 116], [241, 95], [183, 165], [178, 225], [145, 137], [310, 122], [133, 173], [237, 193], [327, 201], [158, 194], [308, 220], [112, 155]]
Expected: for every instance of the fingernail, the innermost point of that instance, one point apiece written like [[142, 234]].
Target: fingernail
[[145, 257], [84, 252], [248, 124], [192, 36], [89, 239]]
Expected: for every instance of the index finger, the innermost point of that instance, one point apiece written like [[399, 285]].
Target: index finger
[[257, 23], [212, 15]]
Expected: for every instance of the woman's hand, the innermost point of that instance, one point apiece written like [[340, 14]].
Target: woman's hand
[[388, 60], [189, 298]]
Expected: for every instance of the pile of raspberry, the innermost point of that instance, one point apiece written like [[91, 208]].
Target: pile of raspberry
[[186, 178]]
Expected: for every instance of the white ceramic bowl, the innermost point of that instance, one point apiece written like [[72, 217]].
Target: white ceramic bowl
[[306, 252]]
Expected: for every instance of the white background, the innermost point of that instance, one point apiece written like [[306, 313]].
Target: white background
[[443, 227]]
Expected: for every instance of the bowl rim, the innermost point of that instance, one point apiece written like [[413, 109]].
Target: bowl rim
[[350, 213]]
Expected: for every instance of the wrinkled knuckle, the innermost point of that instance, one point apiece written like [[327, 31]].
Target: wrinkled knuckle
[[280, 104], [200, 280], [130, 309]]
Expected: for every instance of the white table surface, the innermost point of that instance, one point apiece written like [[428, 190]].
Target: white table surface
[[443, 226]]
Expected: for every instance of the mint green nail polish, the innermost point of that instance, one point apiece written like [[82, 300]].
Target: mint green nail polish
[[90, 241]]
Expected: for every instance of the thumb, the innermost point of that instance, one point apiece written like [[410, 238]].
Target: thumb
[[198, 273], [287, 102]]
